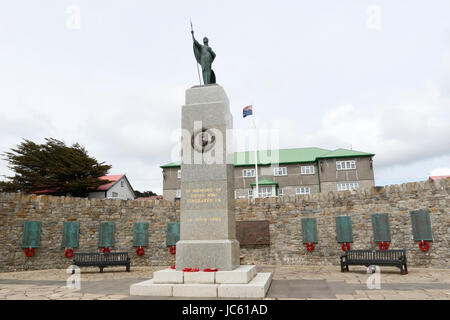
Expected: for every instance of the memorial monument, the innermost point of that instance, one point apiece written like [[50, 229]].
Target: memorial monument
[[207, 222], [207, 255]]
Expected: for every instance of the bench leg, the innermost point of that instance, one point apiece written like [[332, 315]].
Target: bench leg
[[101, 269], [403, 269], [128, 268]]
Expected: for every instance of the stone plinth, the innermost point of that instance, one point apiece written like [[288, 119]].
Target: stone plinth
[[204, 254], [207, 221]]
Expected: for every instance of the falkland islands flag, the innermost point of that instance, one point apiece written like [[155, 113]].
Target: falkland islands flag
[[247, 111]]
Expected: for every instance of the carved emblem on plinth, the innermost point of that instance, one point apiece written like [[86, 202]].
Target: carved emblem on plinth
[[203, 140]]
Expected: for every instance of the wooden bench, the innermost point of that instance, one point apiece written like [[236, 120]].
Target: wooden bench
[[101, 260], [396, 258]]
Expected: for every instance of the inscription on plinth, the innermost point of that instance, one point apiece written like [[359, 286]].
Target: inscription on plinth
[[206, 195]]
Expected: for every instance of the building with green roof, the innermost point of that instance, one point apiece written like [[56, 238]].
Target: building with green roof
[[289, 172]]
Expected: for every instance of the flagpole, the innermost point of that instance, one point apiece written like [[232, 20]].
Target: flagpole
[[256, 154]]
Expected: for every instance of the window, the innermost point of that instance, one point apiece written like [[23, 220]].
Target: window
[[265, 192], [179, 174], [307, 169], [115, 195], [346, 165], [121, 184], [178, 194], [249, 173], [342, 186], [280, 192], [280, 171], [250, 194], [302, 190]]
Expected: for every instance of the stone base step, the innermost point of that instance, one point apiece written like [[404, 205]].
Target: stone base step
[[149, 288], [191, 290], [256, 288], [243, 274]]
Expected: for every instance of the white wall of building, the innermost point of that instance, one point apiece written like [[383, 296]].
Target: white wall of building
[[121, 190]]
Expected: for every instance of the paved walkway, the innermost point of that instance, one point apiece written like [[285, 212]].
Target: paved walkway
[[289, 282]]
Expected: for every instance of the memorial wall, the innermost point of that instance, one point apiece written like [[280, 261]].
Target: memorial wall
[[272, 231]]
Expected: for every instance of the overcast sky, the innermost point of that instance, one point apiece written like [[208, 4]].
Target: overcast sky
[[371, 75]]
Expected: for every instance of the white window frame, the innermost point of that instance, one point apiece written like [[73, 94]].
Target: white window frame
[[248, 173], [306, 169], [114, 195], [302, 190], [122, 184], [178, 193], [280, 192], [263, 191], [250, 193], [179, 174], [346, 165], [347, 186], [280, 171]]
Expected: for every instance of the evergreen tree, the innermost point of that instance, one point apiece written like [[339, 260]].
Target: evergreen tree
[[53, 168], [144, 194]]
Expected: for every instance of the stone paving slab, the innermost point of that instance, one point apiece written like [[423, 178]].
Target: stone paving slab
[[290, 282], [88, 274], [307, 289]]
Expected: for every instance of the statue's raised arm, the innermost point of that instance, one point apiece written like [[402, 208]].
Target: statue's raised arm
[[197, 49], [196, 43]]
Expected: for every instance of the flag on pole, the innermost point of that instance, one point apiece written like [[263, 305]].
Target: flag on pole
[[247, 111]]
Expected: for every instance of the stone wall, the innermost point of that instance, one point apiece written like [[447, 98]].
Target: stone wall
[[284, 215], [52, 211]]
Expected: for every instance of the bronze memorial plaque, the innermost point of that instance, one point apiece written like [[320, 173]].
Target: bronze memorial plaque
[[253, 232]]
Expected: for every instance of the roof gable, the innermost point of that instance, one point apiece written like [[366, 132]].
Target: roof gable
[[345, 153], [113, 178]]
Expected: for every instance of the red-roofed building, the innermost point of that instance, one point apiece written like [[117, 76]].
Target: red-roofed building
[[118, 188], [432, 178], [150, 198]]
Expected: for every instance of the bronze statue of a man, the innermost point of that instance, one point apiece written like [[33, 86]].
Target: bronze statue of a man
[[205, 57]]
